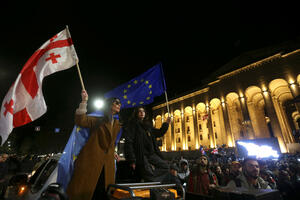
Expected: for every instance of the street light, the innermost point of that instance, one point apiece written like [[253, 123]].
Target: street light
[[98, 103]]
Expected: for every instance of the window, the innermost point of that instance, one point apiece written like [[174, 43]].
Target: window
[[200, 127], [187, 119], [214, 124], [178, 119], [216, 135], [189, 138], [178, 140], [178, 130], [42, 175], [207, 136], [201, 138], [188, 130], [179, 149], [190, 148]]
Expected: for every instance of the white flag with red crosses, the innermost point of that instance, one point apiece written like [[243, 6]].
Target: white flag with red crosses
[[24, 101]]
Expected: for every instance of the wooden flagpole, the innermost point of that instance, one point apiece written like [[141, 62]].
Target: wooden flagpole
[[167, 103], [77, 65], [80, 77], [166, 95]]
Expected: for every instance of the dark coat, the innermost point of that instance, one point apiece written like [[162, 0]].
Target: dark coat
[[138, 136], [98, 153]]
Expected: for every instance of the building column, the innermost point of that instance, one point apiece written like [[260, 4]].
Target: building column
[[196, 132], [289, 135], [294, 88], [229, 134], [173, 142], [164, 137], [246, 124], [211, 133], [184, 142], [271, 113]]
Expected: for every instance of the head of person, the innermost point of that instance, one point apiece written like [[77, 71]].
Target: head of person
[[174, 169], [3, 157], [218, 169], [251, 167], [235, 168], [113, 106], [284, 175], [139, 113], [262, 164], [184, 165], [203, 161]]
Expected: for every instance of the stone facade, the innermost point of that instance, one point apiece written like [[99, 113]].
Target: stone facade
[[251, 101]]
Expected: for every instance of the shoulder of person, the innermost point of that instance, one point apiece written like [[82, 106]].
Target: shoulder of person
[[264, 184]]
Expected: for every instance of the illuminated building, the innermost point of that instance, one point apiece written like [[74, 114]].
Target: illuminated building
[[248, 98]]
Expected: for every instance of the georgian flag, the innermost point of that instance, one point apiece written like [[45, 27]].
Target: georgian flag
[[215, 151], [24, 101]]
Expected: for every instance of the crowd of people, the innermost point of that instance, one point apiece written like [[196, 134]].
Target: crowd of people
[[201, 174], [211, 172]]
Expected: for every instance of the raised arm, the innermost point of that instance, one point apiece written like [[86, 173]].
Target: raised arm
[[162, 130], [80, 115]]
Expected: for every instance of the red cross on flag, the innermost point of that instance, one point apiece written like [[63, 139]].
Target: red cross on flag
[[24, 101]]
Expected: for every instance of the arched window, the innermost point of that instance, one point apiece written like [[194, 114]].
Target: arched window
[[187, 119]]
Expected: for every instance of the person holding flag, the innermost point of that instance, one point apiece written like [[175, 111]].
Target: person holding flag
[[94, 167], [138, 91], [141, 149]]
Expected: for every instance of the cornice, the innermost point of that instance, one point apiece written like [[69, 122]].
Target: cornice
[[181, 98]]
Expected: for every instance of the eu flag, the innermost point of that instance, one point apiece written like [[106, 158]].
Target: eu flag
[[77, 140], [142, 89]]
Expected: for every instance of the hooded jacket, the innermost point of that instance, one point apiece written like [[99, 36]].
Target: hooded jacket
[[183, 174]]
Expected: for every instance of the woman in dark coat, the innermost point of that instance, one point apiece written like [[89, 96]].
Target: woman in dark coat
[[95, 167], [141, 148]]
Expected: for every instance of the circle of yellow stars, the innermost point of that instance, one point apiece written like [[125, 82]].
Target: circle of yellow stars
[[125, 91]]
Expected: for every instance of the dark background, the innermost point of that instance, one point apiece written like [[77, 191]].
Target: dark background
[[117, 41]]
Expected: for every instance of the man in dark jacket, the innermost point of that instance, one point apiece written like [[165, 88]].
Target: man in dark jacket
[[141, 149]]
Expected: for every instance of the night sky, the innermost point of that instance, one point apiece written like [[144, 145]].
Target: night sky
[[117, 41]]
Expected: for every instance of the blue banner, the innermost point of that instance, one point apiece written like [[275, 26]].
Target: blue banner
[[142, 89], [77, 140]]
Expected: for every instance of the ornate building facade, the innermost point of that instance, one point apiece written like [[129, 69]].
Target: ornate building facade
[[248, 101]]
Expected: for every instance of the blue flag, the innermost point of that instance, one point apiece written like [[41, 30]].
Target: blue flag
[[77, 140], [142, 89]]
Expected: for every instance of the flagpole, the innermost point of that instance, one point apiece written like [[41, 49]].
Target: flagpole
[[165, 88], [77, 65], [79, 73], [167, 103]]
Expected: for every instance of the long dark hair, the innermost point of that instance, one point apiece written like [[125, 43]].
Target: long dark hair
[[134, 116]]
